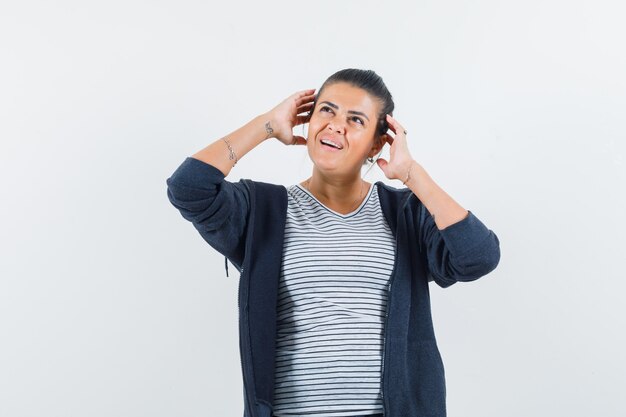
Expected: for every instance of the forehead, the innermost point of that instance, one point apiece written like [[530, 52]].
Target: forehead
[[349, 97]]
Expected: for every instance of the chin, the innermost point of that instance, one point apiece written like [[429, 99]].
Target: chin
[[325, 163], [326, 167]]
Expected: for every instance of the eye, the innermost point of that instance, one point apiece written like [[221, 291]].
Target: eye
[[358, 119], [324, 108]]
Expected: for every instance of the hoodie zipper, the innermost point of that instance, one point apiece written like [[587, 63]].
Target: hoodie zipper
[[243, 336], [243, 351], [385, 329]]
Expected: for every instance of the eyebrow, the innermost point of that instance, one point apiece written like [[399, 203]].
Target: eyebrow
[[334, 106]]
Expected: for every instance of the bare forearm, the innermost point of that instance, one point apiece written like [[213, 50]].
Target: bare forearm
[[242, 141], [440, 205]]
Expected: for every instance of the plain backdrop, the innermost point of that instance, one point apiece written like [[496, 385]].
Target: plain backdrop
[[111, 304]]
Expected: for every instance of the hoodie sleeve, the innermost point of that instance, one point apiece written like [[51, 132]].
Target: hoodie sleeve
[[463, 251], [217, 208]]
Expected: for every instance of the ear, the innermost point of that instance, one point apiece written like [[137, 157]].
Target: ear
[[379, 142]]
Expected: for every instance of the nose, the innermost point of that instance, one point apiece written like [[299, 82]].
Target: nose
[[337, 126]]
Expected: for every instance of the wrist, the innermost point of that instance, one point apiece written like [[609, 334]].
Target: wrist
[[408, 173], [267, 125]]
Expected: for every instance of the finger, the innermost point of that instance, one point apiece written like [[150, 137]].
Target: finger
[[391, 123], [302, 119], [394, 125], [303, 98], [304, 108], [305, 101], [382, 164], [307, 92], [387, 138]]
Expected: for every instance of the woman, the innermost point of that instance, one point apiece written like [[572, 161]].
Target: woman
[[334, 301]]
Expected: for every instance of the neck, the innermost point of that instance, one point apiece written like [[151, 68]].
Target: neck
[[342, 194]]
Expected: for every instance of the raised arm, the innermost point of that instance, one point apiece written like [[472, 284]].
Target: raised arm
[[217, 208], [279, 122], [459, 247]]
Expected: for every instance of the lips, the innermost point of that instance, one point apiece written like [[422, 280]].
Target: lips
[[331, 143]]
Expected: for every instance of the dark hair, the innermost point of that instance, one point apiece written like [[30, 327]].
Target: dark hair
[[369, 81]]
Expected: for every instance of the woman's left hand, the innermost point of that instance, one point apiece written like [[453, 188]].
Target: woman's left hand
[[400, 159]]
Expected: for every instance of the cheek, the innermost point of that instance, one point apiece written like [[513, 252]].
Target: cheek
[[366, 143], [314, 118], [314, 126]]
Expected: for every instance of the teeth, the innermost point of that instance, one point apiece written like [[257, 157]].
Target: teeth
[[331, 143]]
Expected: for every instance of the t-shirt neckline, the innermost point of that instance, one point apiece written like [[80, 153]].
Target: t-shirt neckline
[[352, 213]]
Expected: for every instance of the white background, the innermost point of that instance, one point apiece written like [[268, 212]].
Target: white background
[[111, 304]]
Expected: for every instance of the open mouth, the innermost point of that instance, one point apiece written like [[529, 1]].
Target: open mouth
[[331, 144]]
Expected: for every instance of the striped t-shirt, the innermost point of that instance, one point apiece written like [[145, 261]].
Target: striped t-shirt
[[332, 299]]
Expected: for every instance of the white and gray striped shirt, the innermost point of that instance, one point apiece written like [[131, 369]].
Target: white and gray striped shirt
[[332, 299]]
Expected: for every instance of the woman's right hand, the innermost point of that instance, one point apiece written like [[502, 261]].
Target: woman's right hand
[[285, 116]]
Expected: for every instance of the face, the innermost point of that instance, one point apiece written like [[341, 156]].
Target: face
[[347, 116]]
